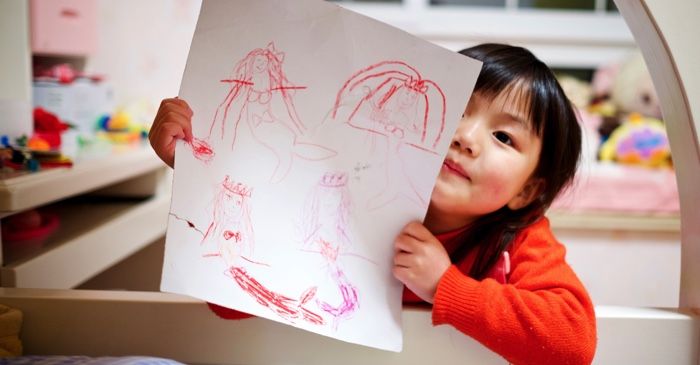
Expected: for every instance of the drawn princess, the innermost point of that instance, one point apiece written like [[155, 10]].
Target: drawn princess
[[326, 233], [325, 217], [261, 95], [231, 230], [391, 99]]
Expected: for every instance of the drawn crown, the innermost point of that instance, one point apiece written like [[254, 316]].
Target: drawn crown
[[237, 188], [417, 85], [334, 179]]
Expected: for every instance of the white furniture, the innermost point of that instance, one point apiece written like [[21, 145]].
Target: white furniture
[[91, 237]]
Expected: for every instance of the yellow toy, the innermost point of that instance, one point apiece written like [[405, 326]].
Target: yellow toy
[[638, 141]]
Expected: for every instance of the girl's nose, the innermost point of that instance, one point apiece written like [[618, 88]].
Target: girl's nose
[[467, 138]]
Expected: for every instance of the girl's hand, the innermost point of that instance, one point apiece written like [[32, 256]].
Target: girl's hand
[[420, 260], [172, 122]]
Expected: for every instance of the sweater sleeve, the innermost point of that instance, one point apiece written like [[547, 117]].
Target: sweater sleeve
[[225, 313], [542, 316]]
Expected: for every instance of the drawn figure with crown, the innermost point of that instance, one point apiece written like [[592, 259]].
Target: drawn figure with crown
[[231, 230], [325, 231], [260, 94], [392, 101]]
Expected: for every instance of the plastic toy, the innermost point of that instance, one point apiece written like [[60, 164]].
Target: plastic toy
[[638, 141]]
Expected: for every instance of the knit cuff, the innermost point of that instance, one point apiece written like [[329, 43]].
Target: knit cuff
[[225, 313], [456, 299]]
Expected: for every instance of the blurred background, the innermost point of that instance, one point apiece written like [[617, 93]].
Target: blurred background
[[83, 201]]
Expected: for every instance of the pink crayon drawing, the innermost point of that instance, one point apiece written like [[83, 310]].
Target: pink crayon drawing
[[327, 211], [286, 307], [393, 100], [350, 303], [261, 95], [326, 233], [230, 229]]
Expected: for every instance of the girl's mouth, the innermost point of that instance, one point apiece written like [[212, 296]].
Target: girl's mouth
[[454, 168]]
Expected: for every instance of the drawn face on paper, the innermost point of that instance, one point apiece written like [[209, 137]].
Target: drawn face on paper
[[234, 201], [407, 98], [331, 203], [260, 64]]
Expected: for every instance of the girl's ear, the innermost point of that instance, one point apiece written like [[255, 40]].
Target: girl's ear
[[532, 189]]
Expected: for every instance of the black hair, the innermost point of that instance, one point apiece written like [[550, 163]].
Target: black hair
[[515, 69]]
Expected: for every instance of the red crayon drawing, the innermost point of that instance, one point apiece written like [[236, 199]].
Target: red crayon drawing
[[260, 94], [286, 307], [201, 150], [392, 99], [230, 229]]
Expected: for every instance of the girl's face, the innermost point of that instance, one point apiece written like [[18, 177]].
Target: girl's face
[[493, 154]]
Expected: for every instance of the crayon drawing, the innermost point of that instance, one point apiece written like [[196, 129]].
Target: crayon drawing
[[288, 308], [317, 135], [392, 100], [260, 94], [326, 232], [230, 231]]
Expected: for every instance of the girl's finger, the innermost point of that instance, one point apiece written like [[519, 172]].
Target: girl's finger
[[417, 230], [403, 259], [403, 274], [405, 243], [169, 111], [172, 118], [172, 111], [181, 103], [171, 130]]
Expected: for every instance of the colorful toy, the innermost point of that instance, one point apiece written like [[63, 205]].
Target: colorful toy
[[623, 88], [120, 128], [638, 141], [47, 127]]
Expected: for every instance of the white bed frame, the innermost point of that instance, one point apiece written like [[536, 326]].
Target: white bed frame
[[139, 323]]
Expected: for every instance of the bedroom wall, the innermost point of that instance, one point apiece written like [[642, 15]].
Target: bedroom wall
[[143, 48]]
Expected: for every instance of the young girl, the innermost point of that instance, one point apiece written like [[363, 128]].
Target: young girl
[[485, 257]]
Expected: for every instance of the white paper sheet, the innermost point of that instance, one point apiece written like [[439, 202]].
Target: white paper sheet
[[318, 135]]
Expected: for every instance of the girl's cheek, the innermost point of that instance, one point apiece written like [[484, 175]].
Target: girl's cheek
[[497, 188]]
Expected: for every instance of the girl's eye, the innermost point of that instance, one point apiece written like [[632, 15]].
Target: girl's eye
[[503, 138]]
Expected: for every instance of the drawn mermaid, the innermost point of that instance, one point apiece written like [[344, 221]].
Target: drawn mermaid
[[261, 95], [391, 100]]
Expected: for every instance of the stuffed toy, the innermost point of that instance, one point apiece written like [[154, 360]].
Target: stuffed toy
[[638, 141], [579, 92], [621, 89]]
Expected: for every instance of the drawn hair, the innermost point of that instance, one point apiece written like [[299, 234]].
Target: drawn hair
[[241, 82], [314, 219], [378, 84], [516, 71]]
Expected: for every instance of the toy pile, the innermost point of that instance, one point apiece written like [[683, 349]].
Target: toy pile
[[626, 163], [621, 107], [41, 150]]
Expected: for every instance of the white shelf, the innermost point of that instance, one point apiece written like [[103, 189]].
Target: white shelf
[[89, 173], [92, 237]]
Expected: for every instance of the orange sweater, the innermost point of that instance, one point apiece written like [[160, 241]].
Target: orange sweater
[[543, 315]]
